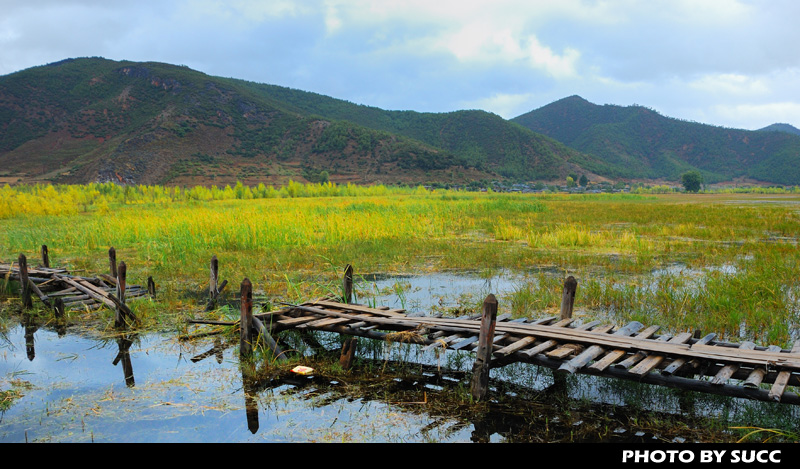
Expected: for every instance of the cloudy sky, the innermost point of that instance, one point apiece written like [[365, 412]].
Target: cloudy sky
[[734, 63]]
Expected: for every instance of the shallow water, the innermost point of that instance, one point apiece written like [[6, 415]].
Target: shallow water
[[78, 386], [422, 294]]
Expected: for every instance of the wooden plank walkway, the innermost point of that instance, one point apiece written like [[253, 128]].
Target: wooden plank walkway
[[632, 352]]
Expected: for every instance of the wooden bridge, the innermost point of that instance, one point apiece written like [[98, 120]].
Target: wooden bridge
[[632, 352]]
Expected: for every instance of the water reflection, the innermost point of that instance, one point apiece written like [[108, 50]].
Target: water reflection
[[202, 392], [30, 330], [124, 342], [249, 385]]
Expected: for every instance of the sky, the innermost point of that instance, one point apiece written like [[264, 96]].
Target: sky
[[731, 63]]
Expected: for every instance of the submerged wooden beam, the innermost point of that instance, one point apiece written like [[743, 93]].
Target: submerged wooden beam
[[264, 336]]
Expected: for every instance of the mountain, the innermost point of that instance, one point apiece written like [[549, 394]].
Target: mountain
[[638, 142], [94, 119], [781, 128], [481, 138]]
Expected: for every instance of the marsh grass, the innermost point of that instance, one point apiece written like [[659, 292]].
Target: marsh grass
[[726, 263], [737, 261]]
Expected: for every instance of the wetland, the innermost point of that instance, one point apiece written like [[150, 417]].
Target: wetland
[[725, 263]]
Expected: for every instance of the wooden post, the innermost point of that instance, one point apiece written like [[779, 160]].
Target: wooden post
[[568, 297], [112, 260], [245, 324], [58, 307], [214, 287], [45, 256], [347, 284], [480, 369], [213, 281], [24, 287], [122, 272], [151, 287], [348, 353]]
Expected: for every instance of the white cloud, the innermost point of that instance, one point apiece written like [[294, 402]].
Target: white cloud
[[715, 61], [245, 11], [754, 116], [730, 84], [477, 43], [506, 105]]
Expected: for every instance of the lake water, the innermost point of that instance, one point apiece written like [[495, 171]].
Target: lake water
[[82, 386]]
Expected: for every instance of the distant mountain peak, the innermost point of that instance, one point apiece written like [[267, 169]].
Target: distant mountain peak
[[781, 127], [573, 100], [641, 143]]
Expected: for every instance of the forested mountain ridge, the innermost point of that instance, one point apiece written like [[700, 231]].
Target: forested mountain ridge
[[483, 139], [93, 119], [641, 143]]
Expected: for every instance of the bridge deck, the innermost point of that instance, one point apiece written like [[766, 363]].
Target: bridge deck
[[632, 351]]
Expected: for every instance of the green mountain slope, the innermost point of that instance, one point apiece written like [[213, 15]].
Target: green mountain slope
[[482, 139], [781, 128], [94, 119], [640, 143]]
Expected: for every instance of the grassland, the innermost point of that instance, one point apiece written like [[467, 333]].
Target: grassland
[[725, 263]]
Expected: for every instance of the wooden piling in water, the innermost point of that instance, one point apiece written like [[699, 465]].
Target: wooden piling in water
[[348, 353], [119, 316], [58, 307], [214, 286], [347, 285], [568, 297], [349, 346], [480, 369], [246, 319], [24, 285], [213, 291]]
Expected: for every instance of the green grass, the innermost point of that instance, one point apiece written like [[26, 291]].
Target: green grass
[[716, 262]]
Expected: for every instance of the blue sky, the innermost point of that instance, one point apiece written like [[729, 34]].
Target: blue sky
[[731, 63]]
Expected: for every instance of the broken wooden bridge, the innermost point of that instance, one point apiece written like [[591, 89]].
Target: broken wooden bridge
[[632, 351], [62, 290]]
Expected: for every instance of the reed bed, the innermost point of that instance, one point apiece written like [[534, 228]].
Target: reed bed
[[718, 262]]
